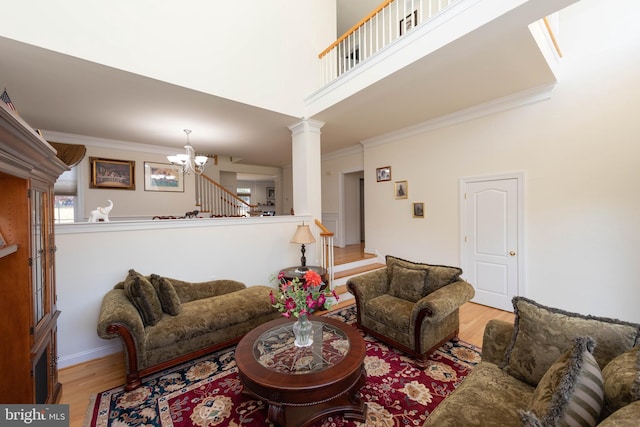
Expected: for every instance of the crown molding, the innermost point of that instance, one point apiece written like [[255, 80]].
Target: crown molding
[[517, 100], [92, 141], [349, 151]]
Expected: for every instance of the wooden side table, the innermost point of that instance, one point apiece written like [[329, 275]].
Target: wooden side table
[[291, 273]]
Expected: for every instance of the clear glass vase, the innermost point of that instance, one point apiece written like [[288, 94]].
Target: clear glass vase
[[302, 330]]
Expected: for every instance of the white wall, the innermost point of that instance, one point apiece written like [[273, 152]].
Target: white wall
[[272, 62], [92, 258], [229, 181], [579, 152]]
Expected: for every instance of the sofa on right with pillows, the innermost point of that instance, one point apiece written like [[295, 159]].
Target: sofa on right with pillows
[[549, 368]]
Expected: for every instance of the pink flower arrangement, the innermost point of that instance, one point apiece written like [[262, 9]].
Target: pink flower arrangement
[[301, 297]]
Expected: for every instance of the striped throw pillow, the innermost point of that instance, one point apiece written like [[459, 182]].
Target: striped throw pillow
[[571, 392]]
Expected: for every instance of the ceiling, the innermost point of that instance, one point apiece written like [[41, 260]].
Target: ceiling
[[61, 93]]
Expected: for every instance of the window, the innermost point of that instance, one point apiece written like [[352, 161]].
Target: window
[[66, 197], [244, 193]]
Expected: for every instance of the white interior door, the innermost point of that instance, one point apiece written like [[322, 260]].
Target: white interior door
[[490, 230]]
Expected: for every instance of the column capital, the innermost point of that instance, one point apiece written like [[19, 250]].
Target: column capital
[[306, 125]]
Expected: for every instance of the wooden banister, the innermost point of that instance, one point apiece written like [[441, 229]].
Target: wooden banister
[[327, 250], [360, 23], [553, 37], [229, 193], [324, 231]]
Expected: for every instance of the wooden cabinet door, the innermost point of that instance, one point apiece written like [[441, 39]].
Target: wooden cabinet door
[[41, 263], [44, 314]]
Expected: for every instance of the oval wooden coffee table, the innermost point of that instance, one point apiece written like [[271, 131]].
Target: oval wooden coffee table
[[303, 385]]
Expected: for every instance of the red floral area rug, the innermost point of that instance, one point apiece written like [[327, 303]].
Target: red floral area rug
[[207, 391]]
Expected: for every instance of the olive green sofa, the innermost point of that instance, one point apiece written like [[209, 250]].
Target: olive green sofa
[[537, 371], [164, 322]]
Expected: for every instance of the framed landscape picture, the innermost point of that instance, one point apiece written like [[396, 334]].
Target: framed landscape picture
[[162, 177], [114, 174]]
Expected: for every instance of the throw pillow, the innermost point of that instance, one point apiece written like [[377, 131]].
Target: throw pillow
[[570, 393], [541, 334], [167, 293], [622, 380], [437, 275], [407, 283], [143, 296]]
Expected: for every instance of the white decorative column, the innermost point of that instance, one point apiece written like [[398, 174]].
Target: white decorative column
[[307, 183]]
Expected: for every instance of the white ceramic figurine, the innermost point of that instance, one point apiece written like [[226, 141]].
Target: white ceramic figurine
[[101, 214]]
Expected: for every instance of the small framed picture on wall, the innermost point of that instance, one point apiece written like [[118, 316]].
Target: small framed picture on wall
[[409, 22], [418, 209], [401, 190], [383, 174]]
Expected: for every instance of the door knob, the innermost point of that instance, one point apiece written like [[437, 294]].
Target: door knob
[[512, 253]]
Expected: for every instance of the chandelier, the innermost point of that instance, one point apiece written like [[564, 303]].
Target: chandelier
[[189, 161]]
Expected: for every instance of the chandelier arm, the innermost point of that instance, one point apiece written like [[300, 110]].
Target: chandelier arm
[[189, 161]]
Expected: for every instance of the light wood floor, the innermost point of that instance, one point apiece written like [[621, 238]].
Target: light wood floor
[[81, 381], [350, 253]]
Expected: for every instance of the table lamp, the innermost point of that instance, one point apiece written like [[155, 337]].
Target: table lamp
[[303, 236]]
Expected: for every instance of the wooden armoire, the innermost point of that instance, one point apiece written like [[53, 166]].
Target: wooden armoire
[[28, 313]]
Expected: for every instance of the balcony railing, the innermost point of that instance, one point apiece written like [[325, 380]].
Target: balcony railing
[[384, 25]]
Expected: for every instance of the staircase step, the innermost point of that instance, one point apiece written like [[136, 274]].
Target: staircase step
[[357, 270], [354, 257], [341, 289]]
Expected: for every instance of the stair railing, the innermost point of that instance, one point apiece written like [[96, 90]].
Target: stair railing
[[326, 238], [213, 198], [389, 21]]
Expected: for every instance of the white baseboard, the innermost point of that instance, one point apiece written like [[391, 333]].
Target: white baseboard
[[85, 356]]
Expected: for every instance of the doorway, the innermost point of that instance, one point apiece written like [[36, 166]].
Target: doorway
[[492, 231], [352, 208]]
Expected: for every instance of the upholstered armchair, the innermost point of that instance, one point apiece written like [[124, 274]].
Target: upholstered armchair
[[411, 306]]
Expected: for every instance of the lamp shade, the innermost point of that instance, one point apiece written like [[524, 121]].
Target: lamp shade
[[303, 235]]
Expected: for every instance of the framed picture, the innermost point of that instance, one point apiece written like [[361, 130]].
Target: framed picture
[[110, 173], [409, 22], [401, 189], [383, 174], [418, 209], [163, 177], [353, 58], [271, 193]]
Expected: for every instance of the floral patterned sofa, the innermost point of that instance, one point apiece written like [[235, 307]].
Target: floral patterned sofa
[[164, 322], [550, 368]]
